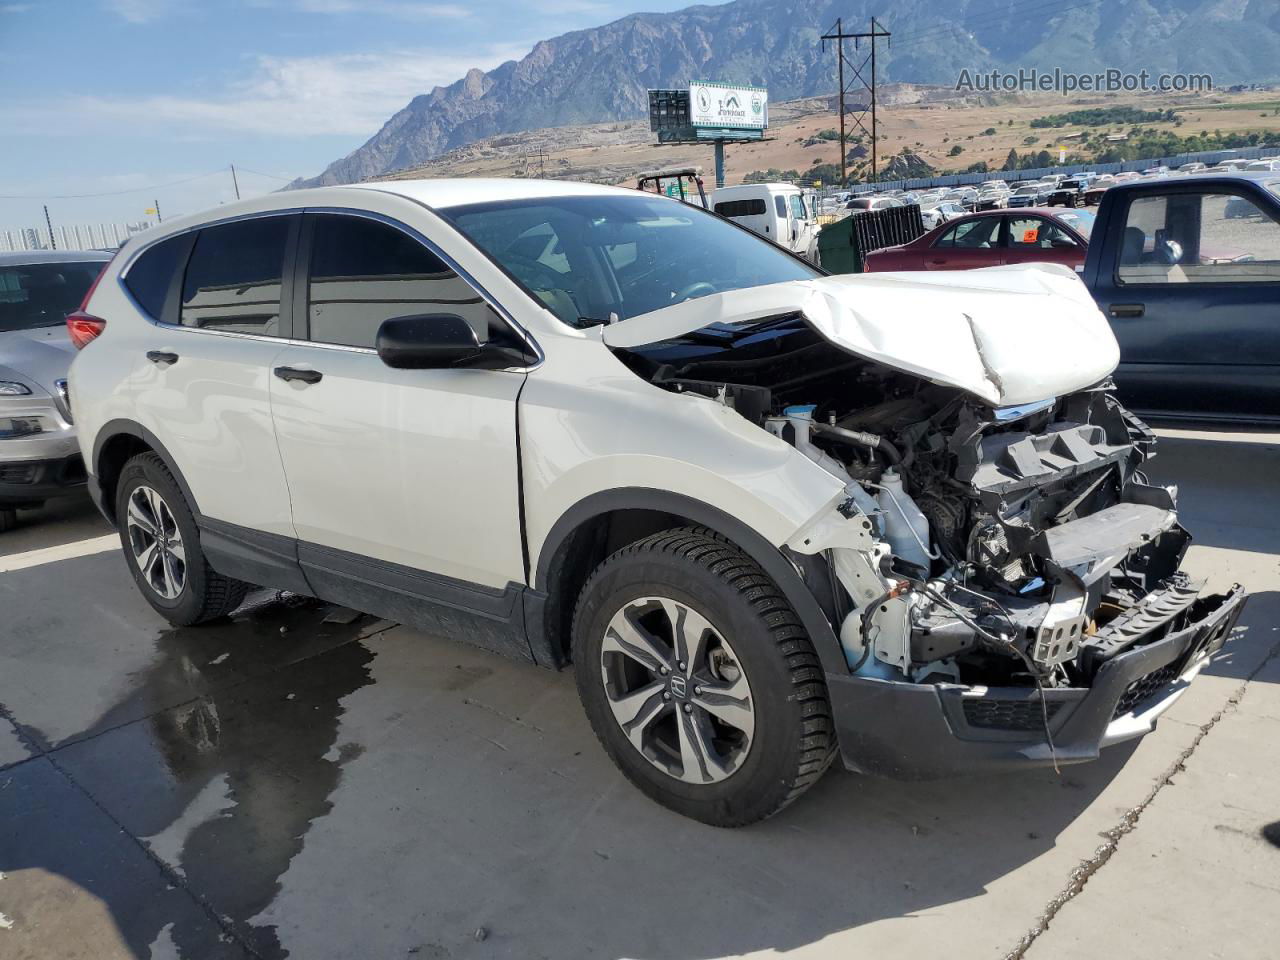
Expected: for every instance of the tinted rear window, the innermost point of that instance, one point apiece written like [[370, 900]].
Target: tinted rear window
[[741, 208], [149, 277], [42, 294], [233, 278]]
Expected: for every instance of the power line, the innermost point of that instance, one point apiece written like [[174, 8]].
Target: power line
[[269, 176], [115, 193], [147, 189], [838, 35]]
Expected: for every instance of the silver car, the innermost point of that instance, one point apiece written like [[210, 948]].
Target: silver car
[[39, 458]]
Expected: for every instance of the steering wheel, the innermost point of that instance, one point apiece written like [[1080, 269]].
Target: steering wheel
[[534, 274], [699, 289]]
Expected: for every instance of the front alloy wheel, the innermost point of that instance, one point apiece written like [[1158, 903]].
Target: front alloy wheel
[[699, 679], [677, 690], [156, 542]]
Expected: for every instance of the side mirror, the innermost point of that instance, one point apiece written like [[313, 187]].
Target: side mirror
[[435, 341], [427, 342]]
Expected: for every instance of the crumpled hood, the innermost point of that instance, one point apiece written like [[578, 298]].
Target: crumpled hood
[[38, 357], [1009, 335]]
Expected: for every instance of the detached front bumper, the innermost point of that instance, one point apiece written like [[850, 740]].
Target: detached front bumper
[[925, 731]]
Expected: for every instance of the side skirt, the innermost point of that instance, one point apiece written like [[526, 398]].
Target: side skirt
[[488, 617]]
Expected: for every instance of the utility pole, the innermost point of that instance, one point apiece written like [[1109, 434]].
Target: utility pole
[[53, 244], [159, 219], [234, 182], [838, 36]]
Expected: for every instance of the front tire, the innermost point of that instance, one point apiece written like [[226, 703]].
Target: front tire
[[162, 547], [699, 680]]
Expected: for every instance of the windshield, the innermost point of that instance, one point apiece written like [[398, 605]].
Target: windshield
[[1081, 221], [42, 294], [1026, 191], [597, 259]]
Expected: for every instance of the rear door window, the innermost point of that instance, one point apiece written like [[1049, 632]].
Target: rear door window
[[1026, 233], [364, 272], [233, 281]]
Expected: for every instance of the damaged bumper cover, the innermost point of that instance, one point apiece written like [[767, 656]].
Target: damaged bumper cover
[[924, 731]]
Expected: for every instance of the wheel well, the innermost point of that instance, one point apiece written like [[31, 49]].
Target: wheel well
[[115, 453], [585, 548]]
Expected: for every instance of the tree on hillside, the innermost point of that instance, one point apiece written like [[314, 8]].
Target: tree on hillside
[[1011, 161]]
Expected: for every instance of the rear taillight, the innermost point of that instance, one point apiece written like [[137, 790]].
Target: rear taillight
[[83, 326]]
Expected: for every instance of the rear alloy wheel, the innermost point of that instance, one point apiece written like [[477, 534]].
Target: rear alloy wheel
[[162, 546], [699, 679], [157, 542]]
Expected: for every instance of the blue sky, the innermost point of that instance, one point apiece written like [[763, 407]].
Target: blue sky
[[101, 96]]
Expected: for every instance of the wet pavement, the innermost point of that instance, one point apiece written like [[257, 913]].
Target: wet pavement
[[283, 783]]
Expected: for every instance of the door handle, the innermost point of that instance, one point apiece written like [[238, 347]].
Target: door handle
[[293, 373], [162, 356], [1127, 309]]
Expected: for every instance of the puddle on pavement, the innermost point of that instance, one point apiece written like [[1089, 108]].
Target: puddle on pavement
[[235, 755]]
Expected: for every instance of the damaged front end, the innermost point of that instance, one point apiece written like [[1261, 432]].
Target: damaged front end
[[1009, 589]]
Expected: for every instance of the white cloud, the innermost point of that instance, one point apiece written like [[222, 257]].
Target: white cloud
[[14, 7], [347, 94], [140, 11]]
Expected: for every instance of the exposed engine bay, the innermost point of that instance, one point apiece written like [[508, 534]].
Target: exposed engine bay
[[1014, 546]]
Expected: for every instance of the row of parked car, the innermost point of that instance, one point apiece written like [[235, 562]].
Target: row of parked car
[[941, 204]]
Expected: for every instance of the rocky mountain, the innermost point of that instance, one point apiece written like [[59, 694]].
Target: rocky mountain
[[602, 74]]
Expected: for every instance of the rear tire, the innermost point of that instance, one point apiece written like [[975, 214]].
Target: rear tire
[[732, 720], [162, 547], [8, 519]]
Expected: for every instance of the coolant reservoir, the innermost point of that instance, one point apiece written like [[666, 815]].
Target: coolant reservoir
[[800, 419], [905, 527]]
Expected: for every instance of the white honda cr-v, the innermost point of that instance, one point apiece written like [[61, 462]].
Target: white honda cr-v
[[768, 515]]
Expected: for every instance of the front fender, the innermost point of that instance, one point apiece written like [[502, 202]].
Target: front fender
[[783, 568], [595, 438], [589, 425]]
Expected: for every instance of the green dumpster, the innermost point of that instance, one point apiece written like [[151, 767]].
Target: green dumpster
[[838, 247]]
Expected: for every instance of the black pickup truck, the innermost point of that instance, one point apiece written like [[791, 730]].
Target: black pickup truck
[[1070, 192], [1187, 269]]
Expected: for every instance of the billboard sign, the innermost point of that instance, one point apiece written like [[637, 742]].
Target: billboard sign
[[725, 107]]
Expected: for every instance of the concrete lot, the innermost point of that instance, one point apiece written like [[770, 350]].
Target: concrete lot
[[279, 784]]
